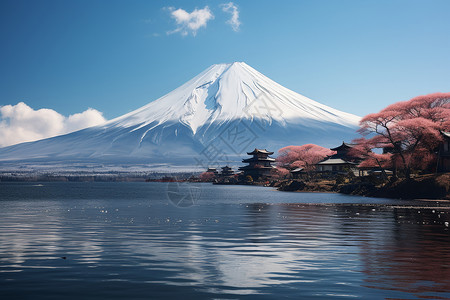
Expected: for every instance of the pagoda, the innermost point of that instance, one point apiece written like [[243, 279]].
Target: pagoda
[[227, 171], [213, 170], [259, 165]]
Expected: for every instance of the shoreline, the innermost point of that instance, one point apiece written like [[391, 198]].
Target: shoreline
[[429, 187]]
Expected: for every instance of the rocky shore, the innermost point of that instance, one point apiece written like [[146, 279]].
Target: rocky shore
[[433, 186]]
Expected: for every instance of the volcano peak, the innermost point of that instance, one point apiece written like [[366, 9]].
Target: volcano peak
[[174, 128]]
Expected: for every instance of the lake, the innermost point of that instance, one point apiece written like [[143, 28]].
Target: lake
[[67, 240]]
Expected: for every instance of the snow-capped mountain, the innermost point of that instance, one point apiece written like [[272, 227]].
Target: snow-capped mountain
[[213, 119]]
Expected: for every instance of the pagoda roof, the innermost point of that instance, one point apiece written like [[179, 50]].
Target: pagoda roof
[[336, 161], [253, 168], [446, 134], [343, 146], [227, 168], [298, 170], [258, 159], [256, 151]]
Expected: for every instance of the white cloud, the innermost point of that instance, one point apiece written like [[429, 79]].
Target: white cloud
[[20, 123], [89, 117], [232, 9], [190, 22]]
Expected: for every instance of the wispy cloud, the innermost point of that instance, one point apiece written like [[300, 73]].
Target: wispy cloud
[[21, 123], [190, 22], [232, 9]]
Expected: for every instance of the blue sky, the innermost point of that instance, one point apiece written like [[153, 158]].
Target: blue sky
[[115, 56]]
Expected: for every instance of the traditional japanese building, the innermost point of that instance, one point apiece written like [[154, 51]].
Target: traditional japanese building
[[341, 162], [443, 164], [227, 171], [213, 170], [298, 173], [259, 165]]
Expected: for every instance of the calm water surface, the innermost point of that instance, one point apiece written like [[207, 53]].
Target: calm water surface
[[145, 241]]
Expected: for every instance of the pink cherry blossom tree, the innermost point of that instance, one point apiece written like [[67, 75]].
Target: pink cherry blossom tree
[[207, 176], [408, 128], [305, 156], [279, 173], [363, 150]]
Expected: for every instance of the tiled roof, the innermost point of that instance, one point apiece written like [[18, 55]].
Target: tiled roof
[[335, 161]]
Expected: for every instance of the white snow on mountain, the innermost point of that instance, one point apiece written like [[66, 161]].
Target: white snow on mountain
[[213, 119]]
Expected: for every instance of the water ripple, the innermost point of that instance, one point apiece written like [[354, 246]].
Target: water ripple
[[131, 248]]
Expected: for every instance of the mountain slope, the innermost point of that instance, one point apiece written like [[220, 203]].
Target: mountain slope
[[210, 120]]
